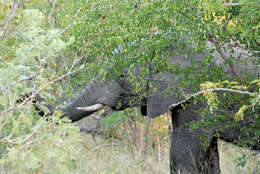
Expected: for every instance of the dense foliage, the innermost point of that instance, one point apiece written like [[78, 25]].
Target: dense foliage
[[54, 47]]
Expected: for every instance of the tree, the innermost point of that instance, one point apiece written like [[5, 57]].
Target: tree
[[54, 40]]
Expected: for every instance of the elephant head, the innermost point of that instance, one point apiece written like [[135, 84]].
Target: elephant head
[[118, 95], [92, 98]]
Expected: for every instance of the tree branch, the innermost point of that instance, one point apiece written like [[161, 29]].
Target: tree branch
[[230, 4], [66, 28], [25, 139], [9, 19], [54, 4], [43, 87], [21, 80], [224, 57], [208, 90]]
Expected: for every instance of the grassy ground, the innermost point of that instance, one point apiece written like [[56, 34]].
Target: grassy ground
[[113, 157], [136, 157], [237, 160], [129, 154]]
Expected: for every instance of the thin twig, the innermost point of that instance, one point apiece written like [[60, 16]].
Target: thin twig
[[224, 57], [74, 63], [27, 143], [77, 12], [54, 4], [25, 139], [40, 89], [6, 138], [256, 101], [209, 90], [19, 81], [9, 18], [227, 22], [66, 28], [230, 4]]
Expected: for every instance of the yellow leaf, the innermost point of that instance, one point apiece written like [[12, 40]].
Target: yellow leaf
[[102, 111], [240, 113], [208, 85]]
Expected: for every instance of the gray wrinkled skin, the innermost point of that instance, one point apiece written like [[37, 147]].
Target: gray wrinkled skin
[[106, 93], [187, 153]]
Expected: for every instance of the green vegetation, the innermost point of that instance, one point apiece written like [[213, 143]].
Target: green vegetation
[[56, 47]]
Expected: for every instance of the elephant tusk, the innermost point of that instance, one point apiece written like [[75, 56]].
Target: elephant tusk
[[94, 107]]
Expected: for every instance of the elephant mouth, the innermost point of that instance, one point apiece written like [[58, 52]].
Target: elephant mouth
[[91, 108]]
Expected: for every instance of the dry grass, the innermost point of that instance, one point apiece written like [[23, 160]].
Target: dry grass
[[231, 156], [113, 157], [127, 156]]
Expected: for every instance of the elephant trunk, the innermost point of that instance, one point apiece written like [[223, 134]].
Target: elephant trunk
[[73, 113], [94, 97], [70, 110], [82, 100]]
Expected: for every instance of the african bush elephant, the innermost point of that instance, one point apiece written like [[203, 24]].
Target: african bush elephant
[[187, 152]]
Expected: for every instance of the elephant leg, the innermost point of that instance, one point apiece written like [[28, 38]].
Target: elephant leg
[[188, 155], [213, 157]]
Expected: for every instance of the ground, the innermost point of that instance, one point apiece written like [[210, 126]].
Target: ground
[[128, 156], [112, 156]]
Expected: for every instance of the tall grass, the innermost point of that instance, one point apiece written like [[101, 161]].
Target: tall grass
[[138, 147], [234, 159], [143, 147], [114, 157]]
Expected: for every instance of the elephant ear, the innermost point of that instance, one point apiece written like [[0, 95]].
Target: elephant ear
[[158, 104], [166, 86], [161, 98]]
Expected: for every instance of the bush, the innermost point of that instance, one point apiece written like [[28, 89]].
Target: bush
[[30, 144], [45, 148]]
